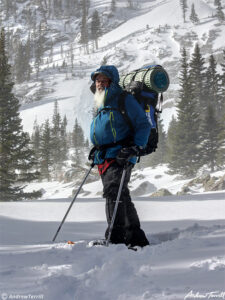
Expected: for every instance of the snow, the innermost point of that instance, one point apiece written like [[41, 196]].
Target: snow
[[70, 95], [157, 177], [93, 210], [186, 256], [162, 13]]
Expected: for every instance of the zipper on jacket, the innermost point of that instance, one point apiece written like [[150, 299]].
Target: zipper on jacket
[[111, 119]]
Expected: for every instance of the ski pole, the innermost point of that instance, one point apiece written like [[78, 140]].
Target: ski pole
[[71, 204], [116, 206]]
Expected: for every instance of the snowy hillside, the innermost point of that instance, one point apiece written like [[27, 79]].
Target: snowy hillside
[[185, 259], [151, 32]]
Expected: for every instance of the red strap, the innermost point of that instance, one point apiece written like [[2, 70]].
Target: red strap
[[103, 167]]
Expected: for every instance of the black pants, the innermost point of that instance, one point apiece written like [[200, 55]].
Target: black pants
[[126, 227]]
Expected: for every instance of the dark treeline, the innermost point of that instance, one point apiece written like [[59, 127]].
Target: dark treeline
[[17, 160], [54, 146], [44, 155], [196, 137]]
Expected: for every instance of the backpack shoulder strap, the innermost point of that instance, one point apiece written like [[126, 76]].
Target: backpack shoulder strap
[[122, 109]]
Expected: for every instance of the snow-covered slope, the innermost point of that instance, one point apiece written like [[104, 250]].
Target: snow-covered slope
[[154, 32], [144, 182]]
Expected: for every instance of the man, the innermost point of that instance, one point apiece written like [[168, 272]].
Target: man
[[116, 147]]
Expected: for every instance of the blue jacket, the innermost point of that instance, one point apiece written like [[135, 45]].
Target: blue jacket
[[109, 125]]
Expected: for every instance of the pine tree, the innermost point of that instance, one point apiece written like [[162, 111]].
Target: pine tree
[[17, 163], [35, 139], [22, 66], [61, 51], [57, 6], [173, 147], [113, 6], [198, 79], [64, 142], [193, 16], [213, 88], [220, 158], [58, 140], [86, 144], [104, 60], [10, 8], [71, 56], [39, 50], [159, 157], [77, 136], [222, 79], [95, 28], [219, 11], [55, 134], [51, 51], [78, 143], [84, 27], [184, 7], [221, 152], [211, 136], [46, 151], [185, 159], [130, 4]]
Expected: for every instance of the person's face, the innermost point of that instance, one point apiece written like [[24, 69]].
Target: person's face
[[102, 82]]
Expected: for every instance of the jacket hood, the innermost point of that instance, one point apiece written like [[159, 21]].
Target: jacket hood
[[110, 71]]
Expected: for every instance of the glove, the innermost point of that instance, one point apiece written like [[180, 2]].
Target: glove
[[126, 153], [91, 155]]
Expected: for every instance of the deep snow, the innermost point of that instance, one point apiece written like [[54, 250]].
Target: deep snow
[[186, 257]]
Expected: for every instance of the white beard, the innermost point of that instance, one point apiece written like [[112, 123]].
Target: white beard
[[99, 98]]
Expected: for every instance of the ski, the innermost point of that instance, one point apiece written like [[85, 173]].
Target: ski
[[132, 248], [99, 242], [70, 242]]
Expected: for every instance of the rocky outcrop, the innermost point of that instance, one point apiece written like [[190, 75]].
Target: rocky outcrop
[[185, 190], [77, 173], [144, 188], [161, 193], [206, 182], [219, 184]]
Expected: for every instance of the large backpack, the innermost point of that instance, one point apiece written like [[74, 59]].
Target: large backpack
[[145, 85]]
